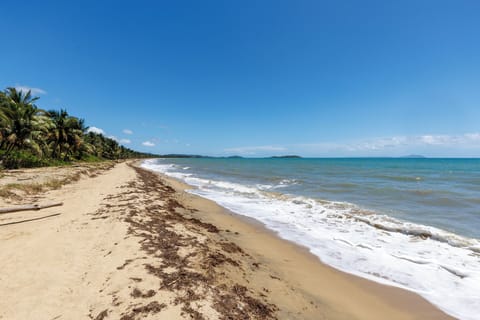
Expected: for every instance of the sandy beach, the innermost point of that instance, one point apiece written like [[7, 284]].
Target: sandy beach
[[128, 243]]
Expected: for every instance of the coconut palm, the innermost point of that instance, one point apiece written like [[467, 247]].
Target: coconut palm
[[94, 143], [48, 135], [43, 127], [66, 137], [4, 119], [18, 113]]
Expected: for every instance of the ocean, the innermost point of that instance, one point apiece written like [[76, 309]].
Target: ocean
[[410, 223]]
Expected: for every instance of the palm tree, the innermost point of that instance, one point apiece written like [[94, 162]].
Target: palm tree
[[43, 127], [4, 119], [66, 138], [18, 114], [94, 143], [112, 149]]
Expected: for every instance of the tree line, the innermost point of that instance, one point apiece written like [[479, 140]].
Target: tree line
[[30, 136]]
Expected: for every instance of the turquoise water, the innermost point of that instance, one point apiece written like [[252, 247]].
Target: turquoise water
[[444, 193], [411, 223]]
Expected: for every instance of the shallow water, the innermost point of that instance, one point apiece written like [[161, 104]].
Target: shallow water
[[412, 223]]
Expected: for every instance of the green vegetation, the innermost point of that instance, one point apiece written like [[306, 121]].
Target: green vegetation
[[32, 137]]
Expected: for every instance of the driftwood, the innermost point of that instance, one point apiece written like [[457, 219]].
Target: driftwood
[[27, 220], [30, 207], [23, 179]]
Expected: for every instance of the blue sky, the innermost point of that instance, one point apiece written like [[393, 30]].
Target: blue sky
[[255, 78]]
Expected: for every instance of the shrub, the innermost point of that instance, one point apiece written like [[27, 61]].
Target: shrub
[[25, 159]]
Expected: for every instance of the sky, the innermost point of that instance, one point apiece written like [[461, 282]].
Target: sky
[[256, 78]]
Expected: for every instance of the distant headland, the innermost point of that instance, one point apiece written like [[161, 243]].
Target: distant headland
[[286, 157]]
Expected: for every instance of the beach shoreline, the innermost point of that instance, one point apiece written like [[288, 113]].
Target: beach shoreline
[[255, 233], [132, 244]]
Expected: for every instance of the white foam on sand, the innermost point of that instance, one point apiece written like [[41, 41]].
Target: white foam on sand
[[442, 267]]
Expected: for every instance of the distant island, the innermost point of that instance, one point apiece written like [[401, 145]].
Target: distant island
[[286, 157], [174, 155]]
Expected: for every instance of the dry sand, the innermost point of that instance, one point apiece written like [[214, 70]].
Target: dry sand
[[130, 244]]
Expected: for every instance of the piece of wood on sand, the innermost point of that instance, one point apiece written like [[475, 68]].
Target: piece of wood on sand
[[30, 207]]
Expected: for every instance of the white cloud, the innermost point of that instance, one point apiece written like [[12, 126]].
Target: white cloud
[[96, 130], [437, 139], [148, 144], [473, 136], [127, 131], [34, 91], [121, 141], [254, 150], [463, 140], [378, 143], [467, 144], [125, 141], [398, 142]]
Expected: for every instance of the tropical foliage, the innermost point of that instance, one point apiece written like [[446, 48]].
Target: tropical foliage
[[30, 136]]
